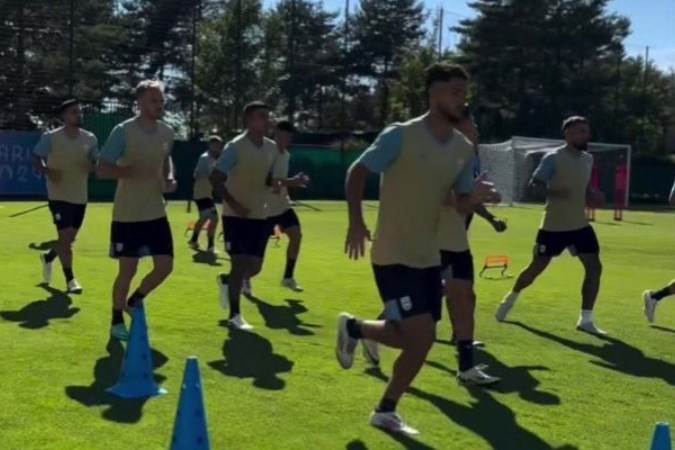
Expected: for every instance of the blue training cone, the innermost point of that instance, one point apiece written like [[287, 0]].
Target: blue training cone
[[189, 430], [136, 379], [661, 439]]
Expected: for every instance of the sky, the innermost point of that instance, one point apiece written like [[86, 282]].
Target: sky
[[653, 24]]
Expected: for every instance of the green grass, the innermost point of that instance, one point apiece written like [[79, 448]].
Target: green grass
[[280, 387]]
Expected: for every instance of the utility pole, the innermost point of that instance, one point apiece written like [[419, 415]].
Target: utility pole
[[291, 61], [343, 96], [71, 50], [440, 33]]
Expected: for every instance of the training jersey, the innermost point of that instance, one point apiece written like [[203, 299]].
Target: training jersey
[[569, 169], [417, 173], [248, 168], [278, 201], [139, 199], [202, 187], [453, 233], [73, 159]]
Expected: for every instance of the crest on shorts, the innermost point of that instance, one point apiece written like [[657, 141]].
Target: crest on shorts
[[57, 217], [406, 303], [119, 247], [542, 248]]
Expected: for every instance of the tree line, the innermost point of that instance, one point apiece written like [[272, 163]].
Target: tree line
[[532, 62]]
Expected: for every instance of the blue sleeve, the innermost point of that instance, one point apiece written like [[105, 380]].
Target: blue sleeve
[[115, 146], [93, 151], [546, 169], [228, 159], [43, 146], [202, 170], [384, 151], [465, 179]]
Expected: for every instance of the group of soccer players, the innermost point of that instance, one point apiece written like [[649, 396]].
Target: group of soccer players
[[431, 186]]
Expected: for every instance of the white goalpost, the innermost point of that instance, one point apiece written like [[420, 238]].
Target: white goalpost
[[510, 165]]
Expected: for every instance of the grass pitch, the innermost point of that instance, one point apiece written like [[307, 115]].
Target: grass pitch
[[280, 386]]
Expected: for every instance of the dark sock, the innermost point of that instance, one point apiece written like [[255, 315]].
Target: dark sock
[[290, 268], [235, 308], [354, 329], [465, 355], [68, 272], [135, 298], [386, 405], [50, 255], [212, 241], [663, 293], [195, 237], [382, 316], [117, 317]]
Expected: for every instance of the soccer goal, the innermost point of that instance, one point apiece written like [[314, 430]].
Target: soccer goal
[[510, 165]]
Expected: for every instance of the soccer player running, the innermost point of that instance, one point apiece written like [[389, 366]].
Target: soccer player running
[[138, 155], [563, 176], [420, 162], [652, 298], [279, 208], [66, 156], [242, 177], [458, 277], [202, 193]]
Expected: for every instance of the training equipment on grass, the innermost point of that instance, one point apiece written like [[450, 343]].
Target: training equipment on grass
[[661, 439], [493, 262], [136, 379], [190, 431], [191, 226]]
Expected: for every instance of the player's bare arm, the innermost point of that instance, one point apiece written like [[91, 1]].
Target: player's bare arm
[[483, 192], [107, 171], [541, 189], [594, 197], [357, 233], [170, 184], [299, 181], [218, 179]]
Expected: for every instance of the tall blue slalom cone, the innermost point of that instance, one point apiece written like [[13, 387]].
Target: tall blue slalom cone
[[136, 379], [189, 430], [661, 439]]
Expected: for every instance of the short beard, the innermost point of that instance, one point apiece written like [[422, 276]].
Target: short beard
[[581, 147], [450, 117]]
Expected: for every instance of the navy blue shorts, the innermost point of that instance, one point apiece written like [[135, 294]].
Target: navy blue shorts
[[139, 239], [457, 265], [408, 291], [67, 215], [245, 237], [287, 219], [579, 242]]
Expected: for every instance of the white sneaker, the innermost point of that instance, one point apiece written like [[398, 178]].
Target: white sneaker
[[46, 269], [371, 352], [291, 284], [119, 332], [476, 377], [504, 308], [238, 322], [346, 345], [246, 288], [221, 281], [589, 327], [391, 422], [74, 287], [650, 306]]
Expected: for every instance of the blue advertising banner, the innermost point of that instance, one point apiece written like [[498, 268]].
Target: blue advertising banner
[[17, 175]]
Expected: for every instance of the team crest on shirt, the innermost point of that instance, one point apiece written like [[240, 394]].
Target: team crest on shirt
[[406, 303]]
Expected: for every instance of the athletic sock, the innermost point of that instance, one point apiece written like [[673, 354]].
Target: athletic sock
[[290, 268], [68, 272], [50, 255], [195, 237], [386, 406], [586, 315], [661, 294], [212, 241], [117, 317], [135, 298], [465, 355], [354, 329]]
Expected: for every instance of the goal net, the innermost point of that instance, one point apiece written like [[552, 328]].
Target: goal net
[[510, 165]]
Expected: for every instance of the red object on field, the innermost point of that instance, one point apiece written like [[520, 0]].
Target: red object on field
[[595, 184], [621, 185]]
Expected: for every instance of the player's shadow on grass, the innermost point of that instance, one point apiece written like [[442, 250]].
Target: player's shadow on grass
[[406, 442], [284, 317], [514, 380], [485, 416], [249, 355], [42, 246], [106, 374], [660, 328], [616, 355], [39, 313], [208, 258]]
